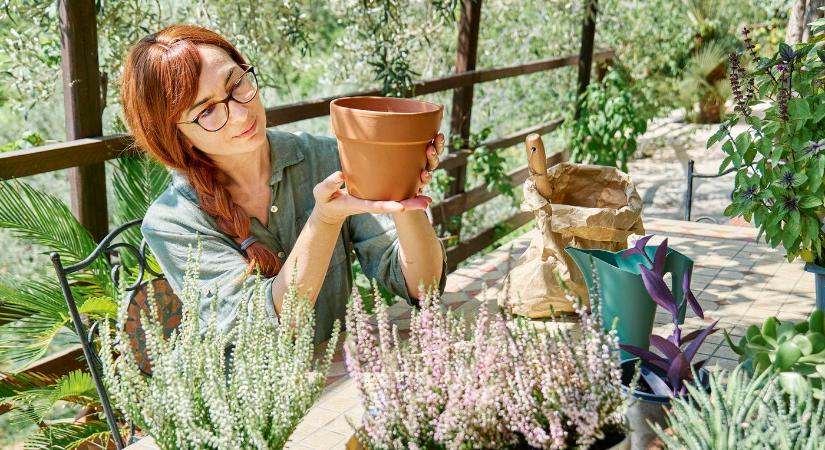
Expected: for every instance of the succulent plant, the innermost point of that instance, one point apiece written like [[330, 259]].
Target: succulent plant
[[744, 413], [795, 350]]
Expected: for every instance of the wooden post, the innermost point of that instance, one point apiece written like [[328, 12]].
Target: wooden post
[[586, 50], [463, 97], [83, 109]]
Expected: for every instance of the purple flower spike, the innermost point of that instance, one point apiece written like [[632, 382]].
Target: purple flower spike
[[658, 290]]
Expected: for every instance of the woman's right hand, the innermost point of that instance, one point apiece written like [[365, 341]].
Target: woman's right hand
[[333, 204]]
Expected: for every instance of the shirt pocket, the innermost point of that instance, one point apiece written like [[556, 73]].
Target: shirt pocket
[[339, 253]]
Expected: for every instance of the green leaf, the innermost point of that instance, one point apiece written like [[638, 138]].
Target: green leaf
[[765, 147], [817, 321], [809, 201], [716, 137], [817, 342], [787, 355], [802, 342], [819, 113], [798, 109], [794, 384], [769, 327], [743, 141], [815, 173]]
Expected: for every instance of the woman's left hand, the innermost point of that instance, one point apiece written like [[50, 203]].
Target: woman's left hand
[[434, 149]]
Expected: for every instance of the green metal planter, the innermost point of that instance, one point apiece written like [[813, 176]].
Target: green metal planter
[[623, 294]]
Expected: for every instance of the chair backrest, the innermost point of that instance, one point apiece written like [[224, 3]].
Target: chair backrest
[[169, 313], [169, 310]]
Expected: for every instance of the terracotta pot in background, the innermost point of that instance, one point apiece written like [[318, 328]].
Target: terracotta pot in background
[[382, 143]]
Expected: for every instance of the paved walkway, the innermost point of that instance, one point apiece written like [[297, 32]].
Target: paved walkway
[[737, 280]]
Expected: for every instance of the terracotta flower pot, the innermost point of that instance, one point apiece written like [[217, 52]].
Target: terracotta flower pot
[[382, 142]]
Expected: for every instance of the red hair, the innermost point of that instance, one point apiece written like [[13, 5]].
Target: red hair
[[160, 82]]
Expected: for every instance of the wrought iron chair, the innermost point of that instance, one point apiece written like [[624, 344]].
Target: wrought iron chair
[[691, 174], [169, 310]]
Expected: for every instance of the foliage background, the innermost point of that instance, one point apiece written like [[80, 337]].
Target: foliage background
[[307, 49]]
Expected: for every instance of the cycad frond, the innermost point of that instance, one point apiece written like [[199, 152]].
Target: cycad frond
[[137, 180], [70, 436], [43, 219], [36, 312], [76, 387]]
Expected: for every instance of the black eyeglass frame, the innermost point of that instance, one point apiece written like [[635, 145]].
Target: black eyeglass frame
[[225, 101]]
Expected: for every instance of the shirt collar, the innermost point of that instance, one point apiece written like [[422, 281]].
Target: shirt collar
[[284, 151]]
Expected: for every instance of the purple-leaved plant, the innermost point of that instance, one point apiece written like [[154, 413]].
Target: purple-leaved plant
[[668, 374], [489, 382]]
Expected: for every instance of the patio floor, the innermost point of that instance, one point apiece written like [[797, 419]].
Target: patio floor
[[736, 279]]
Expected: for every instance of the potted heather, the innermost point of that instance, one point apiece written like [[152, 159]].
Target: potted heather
[[780, 158], [492, 382], [665, 375], [200, 395]]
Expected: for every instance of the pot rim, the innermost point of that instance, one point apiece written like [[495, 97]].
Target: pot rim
[[648, 397], [814, 268], [370, 112]]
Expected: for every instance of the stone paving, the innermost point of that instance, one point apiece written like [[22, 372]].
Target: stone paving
[[736, 279]]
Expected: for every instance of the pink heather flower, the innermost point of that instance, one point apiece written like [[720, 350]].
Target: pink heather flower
[[491, 382]]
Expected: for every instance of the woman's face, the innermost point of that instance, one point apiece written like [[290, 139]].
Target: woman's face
[[244, 131]]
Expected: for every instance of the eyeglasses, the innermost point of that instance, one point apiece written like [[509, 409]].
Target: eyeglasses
[[216, 116]]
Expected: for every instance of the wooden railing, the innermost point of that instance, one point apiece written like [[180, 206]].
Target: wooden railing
[[93, 151]]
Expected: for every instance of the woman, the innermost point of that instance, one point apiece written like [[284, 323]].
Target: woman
[[255, 198]]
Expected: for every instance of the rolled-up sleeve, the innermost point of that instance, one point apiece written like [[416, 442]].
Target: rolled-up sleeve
[[222, 273], [376, 245]]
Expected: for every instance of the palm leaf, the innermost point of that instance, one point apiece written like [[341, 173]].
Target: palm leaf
[[71, 436], [36, 313], [137, 180], [43, 219]]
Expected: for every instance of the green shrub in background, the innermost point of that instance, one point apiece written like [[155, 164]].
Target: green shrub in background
[[614, 113]]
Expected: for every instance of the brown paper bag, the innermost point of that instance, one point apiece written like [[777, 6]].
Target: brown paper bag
[[594, 207]]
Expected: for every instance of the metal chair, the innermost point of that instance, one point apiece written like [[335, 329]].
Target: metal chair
[[691, 174], [170, 310]]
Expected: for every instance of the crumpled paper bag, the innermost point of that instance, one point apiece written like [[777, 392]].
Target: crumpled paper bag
[[595, 207]]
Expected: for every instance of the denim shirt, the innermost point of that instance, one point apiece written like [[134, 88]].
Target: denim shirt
[[174, 222]]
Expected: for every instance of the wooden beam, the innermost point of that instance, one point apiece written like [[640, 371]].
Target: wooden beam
[[94, 150], [63, 155], [461, 202], [294, 112], [465, 201], [462, 108], [471, 246], [83, 108], [585, 61]]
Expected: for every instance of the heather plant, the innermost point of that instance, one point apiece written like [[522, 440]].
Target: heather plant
[[246, 388], [743, 413], [780, 158], [491, 382]]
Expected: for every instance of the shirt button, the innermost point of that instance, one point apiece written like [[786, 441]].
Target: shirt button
[[273, 209], [281, 255]]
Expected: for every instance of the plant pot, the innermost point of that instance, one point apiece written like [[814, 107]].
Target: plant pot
[[649, 408], [354, 444], [623, 294], [819, 282], [382, 143]]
